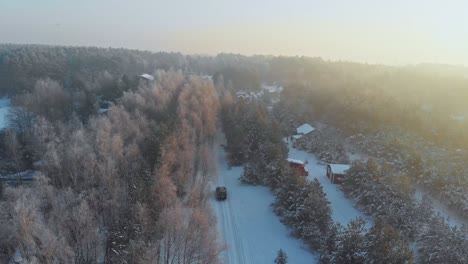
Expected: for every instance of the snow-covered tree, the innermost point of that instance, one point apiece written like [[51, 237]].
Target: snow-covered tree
[[386, 245], [313, 219], [439, 243], [281, 258]]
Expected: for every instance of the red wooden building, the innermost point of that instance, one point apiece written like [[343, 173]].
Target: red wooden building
[[336, 172], [298, 167]]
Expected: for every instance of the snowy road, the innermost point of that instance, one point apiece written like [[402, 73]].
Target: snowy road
[[247, 224], [343, 209]]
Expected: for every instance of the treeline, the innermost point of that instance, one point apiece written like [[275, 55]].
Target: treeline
[[129, 186], [254, 140], [378, 96], [80, 68]]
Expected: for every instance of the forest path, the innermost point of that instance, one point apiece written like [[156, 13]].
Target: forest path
[[247, 223]]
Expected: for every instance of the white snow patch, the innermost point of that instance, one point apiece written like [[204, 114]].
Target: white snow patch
[[353, 156], [5, 105], [272, 88], [297, 136], [450, 216], [248, 225]]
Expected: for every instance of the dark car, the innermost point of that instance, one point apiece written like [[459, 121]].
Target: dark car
[[221, 193]]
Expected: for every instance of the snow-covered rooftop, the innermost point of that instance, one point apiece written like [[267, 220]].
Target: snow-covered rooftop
[[147, 76], [272, 88], [297, 136], [206, 77], [339, 168], [305, 129], [250, 95], [296, 161]]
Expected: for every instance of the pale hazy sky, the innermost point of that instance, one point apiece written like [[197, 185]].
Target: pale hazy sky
[[374, 31]]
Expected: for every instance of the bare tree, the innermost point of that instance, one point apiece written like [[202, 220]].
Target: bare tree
[[48, 99], [189, 236]]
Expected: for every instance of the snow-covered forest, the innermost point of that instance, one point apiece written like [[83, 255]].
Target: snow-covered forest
[[112, 155]]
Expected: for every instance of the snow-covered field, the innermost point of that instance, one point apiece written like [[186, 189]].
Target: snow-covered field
[[343, 209], [5, 105], [247, 224]]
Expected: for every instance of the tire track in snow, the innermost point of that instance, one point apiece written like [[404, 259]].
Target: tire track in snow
[[227, 218], [241, 254], [235, 253]]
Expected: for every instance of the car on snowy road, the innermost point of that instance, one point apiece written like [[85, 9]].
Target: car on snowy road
[[221, 193]]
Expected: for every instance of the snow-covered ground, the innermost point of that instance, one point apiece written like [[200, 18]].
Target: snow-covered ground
[[5, 105], [343, 209], [451, 217], [247, 224]]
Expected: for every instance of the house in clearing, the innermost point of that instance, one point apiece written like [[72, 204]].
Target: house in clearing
[[305, 129], [298, 167], [146, 78], [301, 131], [336, 172]]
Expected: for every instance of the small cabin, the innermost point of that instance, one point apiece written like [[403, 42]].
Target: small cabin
[[298, 167], [336, 172], [146, 79], [305, 129], [302, 131]]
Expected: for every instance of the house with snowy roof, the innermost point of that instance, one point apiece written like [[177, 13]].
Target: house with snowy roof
[[249, 96], [336, 172], [303, 130], [298, 166], [147, 77]]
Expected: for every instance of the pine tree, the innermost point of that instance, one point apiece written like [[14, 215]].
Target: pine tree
[[385, 245], [313, 218], [282, 258], [353, 244]]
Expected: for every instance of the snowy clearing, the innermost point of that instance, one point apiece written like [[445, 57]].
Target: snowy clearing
[[248, 225], [450, 216], [343, 209], [5, 105]]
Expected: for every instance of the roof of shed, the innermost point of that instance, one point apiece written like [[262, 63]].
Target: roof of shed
[[305, 129], [339, 168]]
